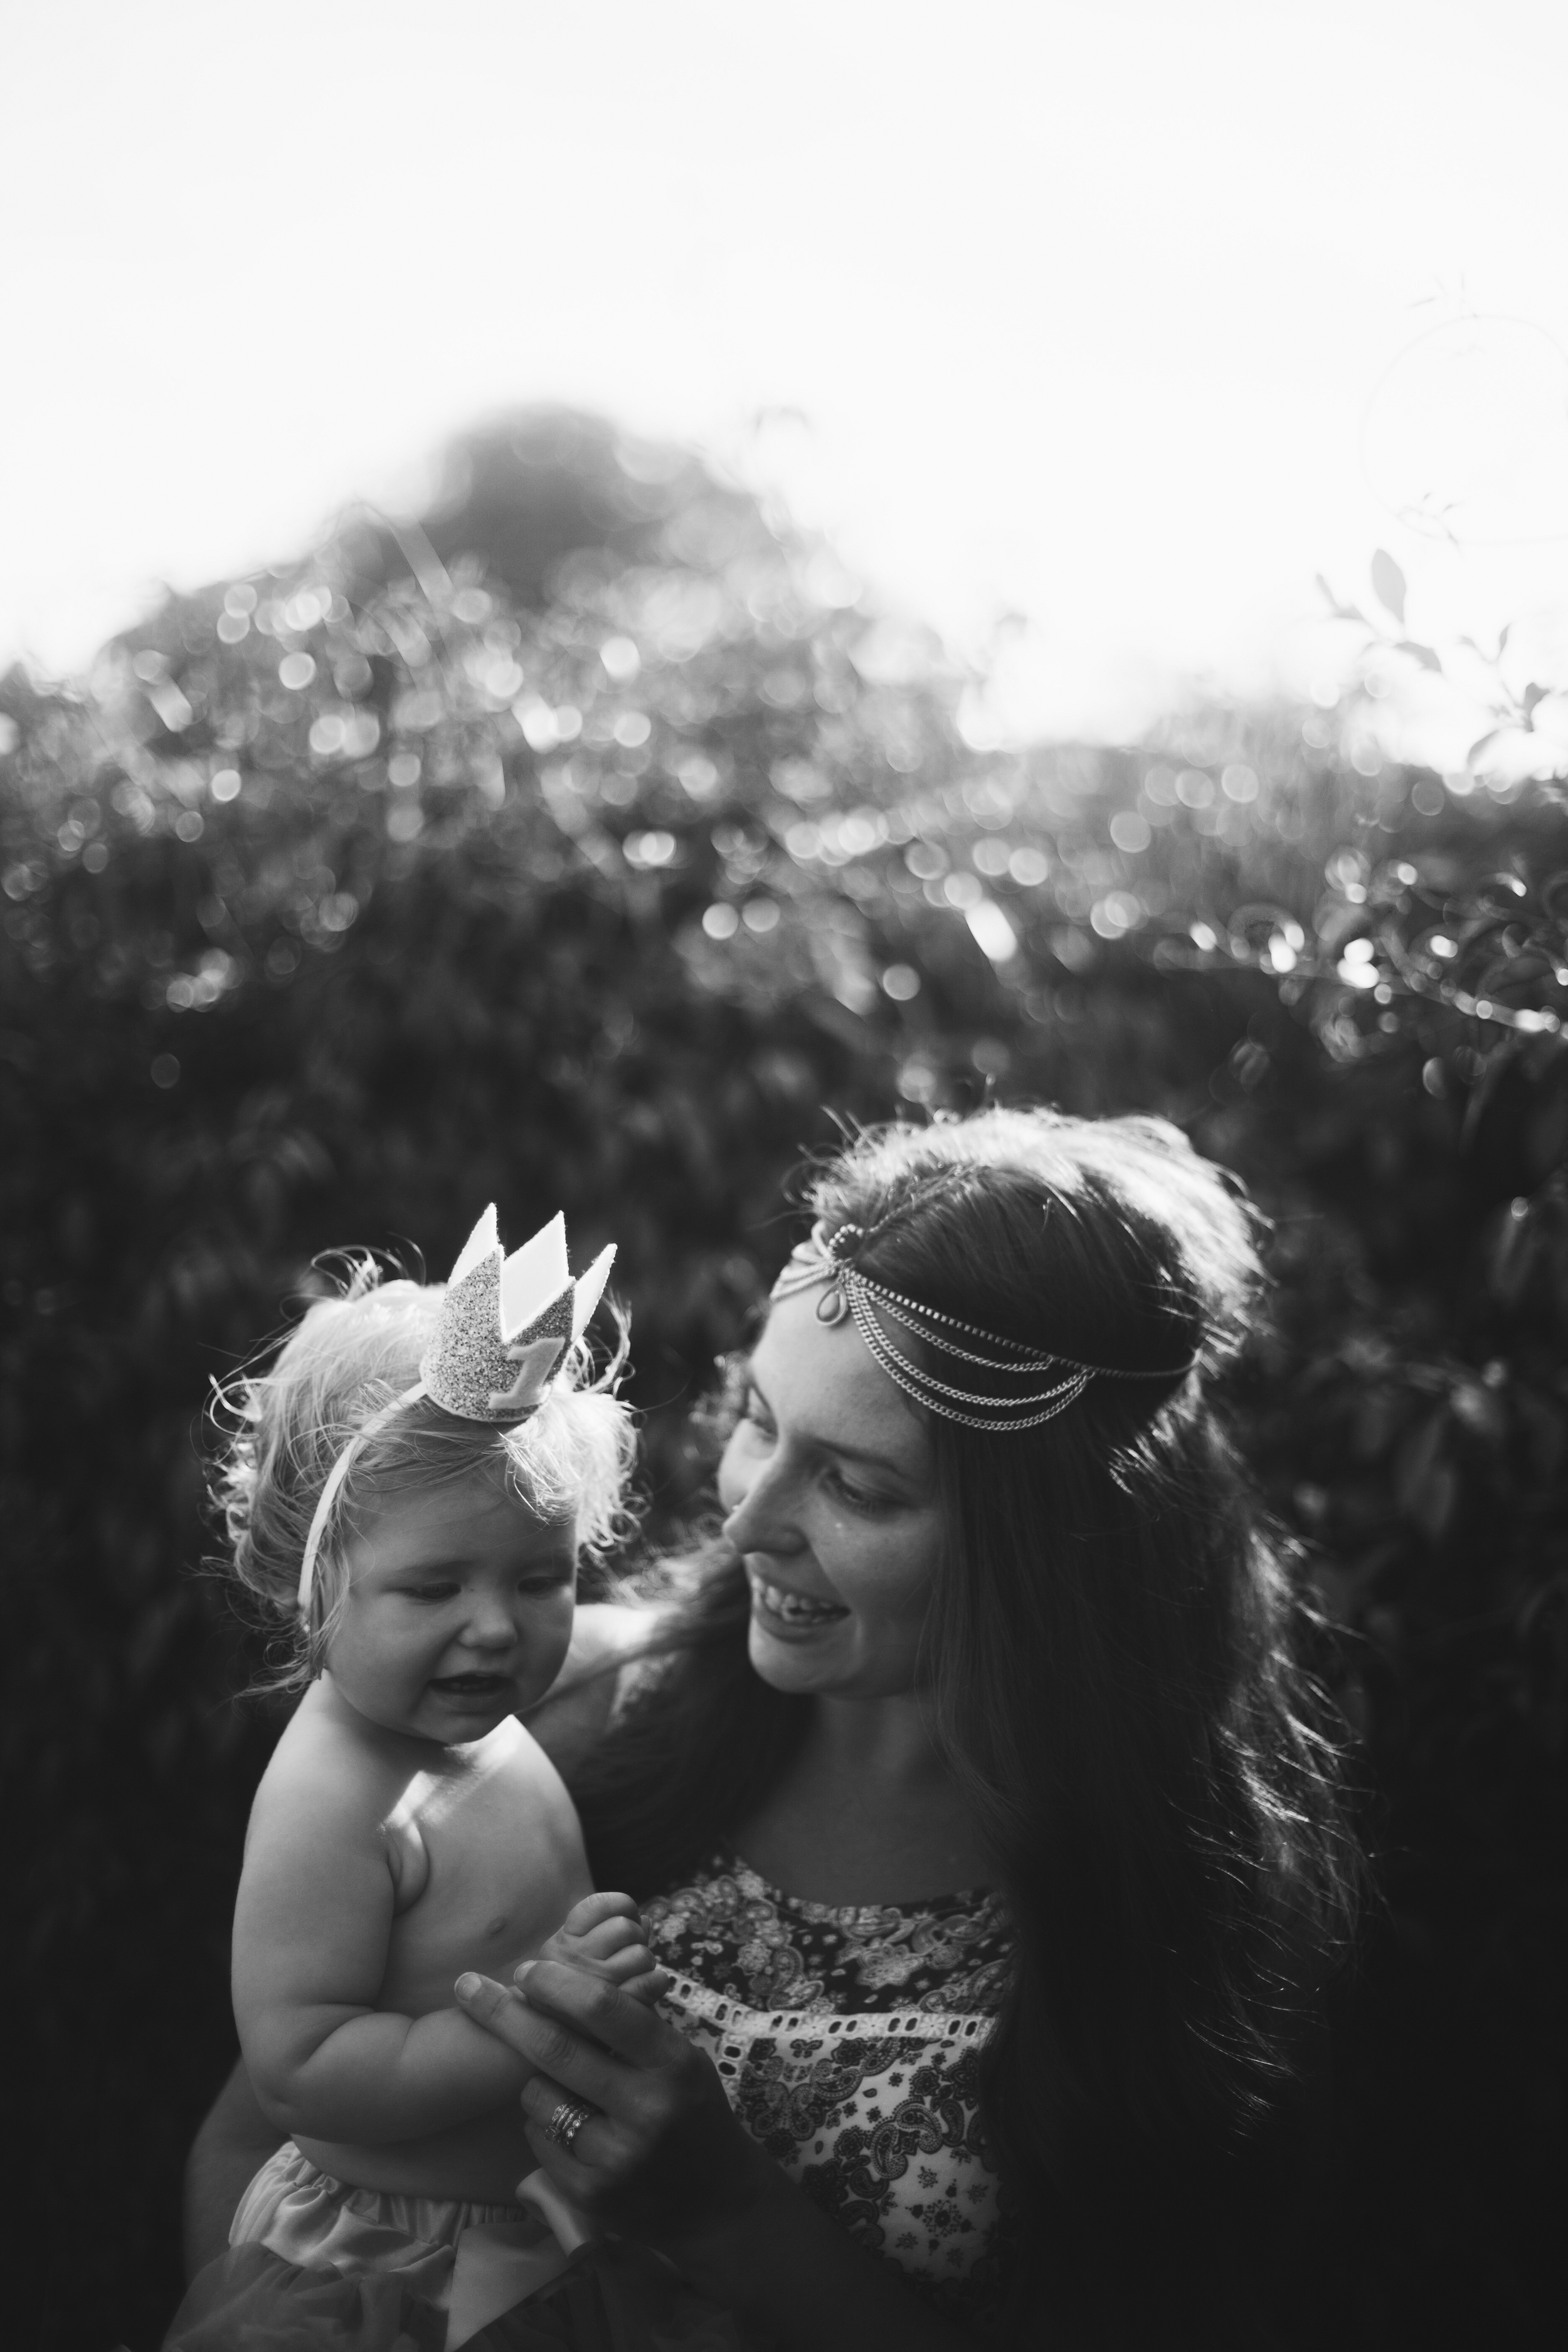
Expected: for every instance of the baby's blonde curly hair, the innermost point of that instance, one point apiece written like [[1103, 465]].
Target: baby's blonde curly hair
[[281, 1427]]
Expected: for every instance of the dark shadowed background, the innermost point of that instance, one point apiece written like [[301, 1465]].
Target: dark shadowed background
[[578, 847]]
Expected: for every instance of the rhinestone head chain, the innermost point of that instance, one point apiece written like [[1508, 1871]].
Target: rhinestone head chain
[[827, 1258]]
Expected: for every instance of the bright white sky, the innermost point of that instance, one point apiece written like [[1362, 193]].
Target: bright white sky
[[1083, 303]]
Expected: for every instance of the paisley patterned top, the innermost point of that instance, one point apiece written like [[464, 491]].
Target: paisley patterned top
[[848, 2040]]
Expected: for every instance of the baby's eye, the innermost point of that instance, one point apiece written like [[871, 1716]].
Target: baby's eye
[[433, 1592]]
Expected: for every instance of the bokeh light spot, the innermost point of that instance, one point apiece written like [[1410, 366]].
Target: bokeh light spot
[[649, 849]]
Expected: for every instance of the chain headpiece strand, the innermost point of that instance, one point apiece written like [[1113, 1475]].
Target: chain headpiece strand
[[829, 1257]]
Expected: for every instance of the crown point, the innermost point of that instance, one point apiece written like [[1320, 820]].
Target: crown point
[[590, 1290], [534, 1277], [482, 1243]]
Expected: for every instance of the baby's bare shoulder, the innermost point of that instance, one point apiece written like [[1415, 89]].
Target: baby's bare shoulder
[[322, 1767]]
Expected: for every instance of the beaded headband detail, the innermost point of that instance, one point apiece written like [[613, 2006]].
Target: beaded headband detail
[[829, 1257], [504, 1325]]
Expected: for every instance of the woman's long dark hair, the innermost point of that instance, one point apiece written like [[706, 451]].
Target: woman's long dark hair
[[1113, 1678]]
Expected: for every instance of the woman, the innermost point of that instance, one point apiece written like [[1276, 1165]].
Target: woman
[[973, 1797]]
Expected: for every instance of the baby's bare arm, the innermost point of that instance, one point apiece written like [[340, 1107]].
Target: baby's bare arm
[[311, 1932], [312, 1929], [376, 2076]]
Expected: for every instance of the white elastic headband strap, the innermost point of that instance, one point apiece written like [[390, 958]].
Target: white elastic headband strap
[[335, 1476]]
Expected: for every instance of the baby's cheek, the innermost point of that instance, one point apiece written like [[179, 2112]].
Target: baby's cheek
[[547, 1637]]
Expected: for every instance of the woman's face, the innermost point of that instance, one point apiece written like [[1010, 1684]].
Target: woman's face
[[830, 1486]]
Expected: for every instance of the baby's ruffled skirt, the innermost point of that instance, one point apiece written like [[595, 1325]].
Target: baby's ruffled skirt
[[314, 2265]]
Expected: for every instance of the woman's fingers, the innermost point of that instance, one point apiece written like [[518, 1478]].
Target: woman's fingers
[[491, 2005], [593, 2006], [567, 2041], [596, 2143], [568, 2171]]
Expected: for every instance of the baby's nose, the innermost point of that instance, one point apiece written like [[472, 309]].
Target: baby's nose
[[491, 1625]]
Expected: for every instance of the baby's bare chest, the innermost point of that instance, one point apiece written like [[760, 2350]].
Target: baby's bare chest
[[485, 1873]]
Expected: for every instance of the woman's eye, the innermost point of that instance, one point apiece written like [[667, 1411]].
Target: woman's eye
[[859, 1498], [754, 1415]]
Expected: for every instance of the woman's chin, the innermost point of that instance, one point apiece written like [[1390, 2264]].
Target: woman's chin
[[816, 1658]]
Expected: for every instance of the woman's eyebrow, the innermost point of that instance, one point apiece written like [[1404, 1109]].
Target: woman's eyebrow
[[837, 1446]]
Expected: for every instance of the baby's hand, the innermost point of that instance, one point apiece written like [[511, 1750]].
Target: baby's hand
[[604, 1934]]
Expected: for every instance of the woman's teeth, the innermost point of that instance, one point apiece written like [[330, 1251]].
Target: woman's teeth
[[793, 1607]]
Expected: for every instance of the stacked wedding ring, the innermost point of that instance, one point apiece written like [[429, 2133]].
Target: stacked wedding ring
[[566, 2120]]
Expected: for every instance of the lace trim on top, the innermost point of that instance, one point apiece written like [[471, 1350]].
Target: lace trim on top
[[750, 1942]]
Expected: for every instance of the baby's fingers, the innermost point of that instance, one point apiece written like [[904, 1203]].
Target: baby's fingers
[[595, 1909], [633, 1960], [609, 1937]]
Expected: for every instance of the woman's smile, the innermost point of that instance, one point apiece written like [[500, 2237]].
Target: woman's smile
[[789, 1614]]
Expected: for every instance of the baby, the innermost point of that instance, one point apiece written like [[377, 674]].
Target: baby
[[412, 1485]]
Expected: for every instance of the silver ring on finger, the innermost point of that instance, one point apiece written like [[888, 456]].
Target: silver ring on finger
[[567, 2119]]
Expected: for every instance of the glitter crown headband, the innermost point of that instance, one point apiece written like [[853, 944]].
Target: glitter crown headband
[[829, 1257], [504, 1325]]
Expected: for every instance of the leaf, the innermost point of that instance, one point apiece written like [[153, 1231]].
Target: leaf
[[1481, 743], [1388, 583], [1341, 610], [1533, 694], [1425, 655]]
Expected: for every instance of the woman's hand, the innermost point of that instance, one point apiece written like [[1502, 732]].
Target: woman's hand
[[663, 2159], [661, 2156]]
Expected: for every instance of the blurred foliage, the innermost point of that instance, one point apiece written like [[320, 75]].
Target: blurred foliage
[[591, 844]]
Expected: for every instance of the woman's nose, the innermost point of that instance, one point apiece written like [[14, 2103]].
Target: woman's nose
[[762, 1519]]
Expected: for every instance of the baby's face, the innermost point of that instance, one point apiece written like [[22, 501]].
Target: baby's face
[[459, 1611]]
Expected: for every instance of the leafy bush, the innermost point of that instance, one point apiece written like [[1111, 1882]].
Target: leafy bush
[[585, 847]]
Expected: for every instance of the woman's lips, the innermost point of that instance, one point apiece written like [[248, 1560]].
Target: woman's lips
[[796, 1612]]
